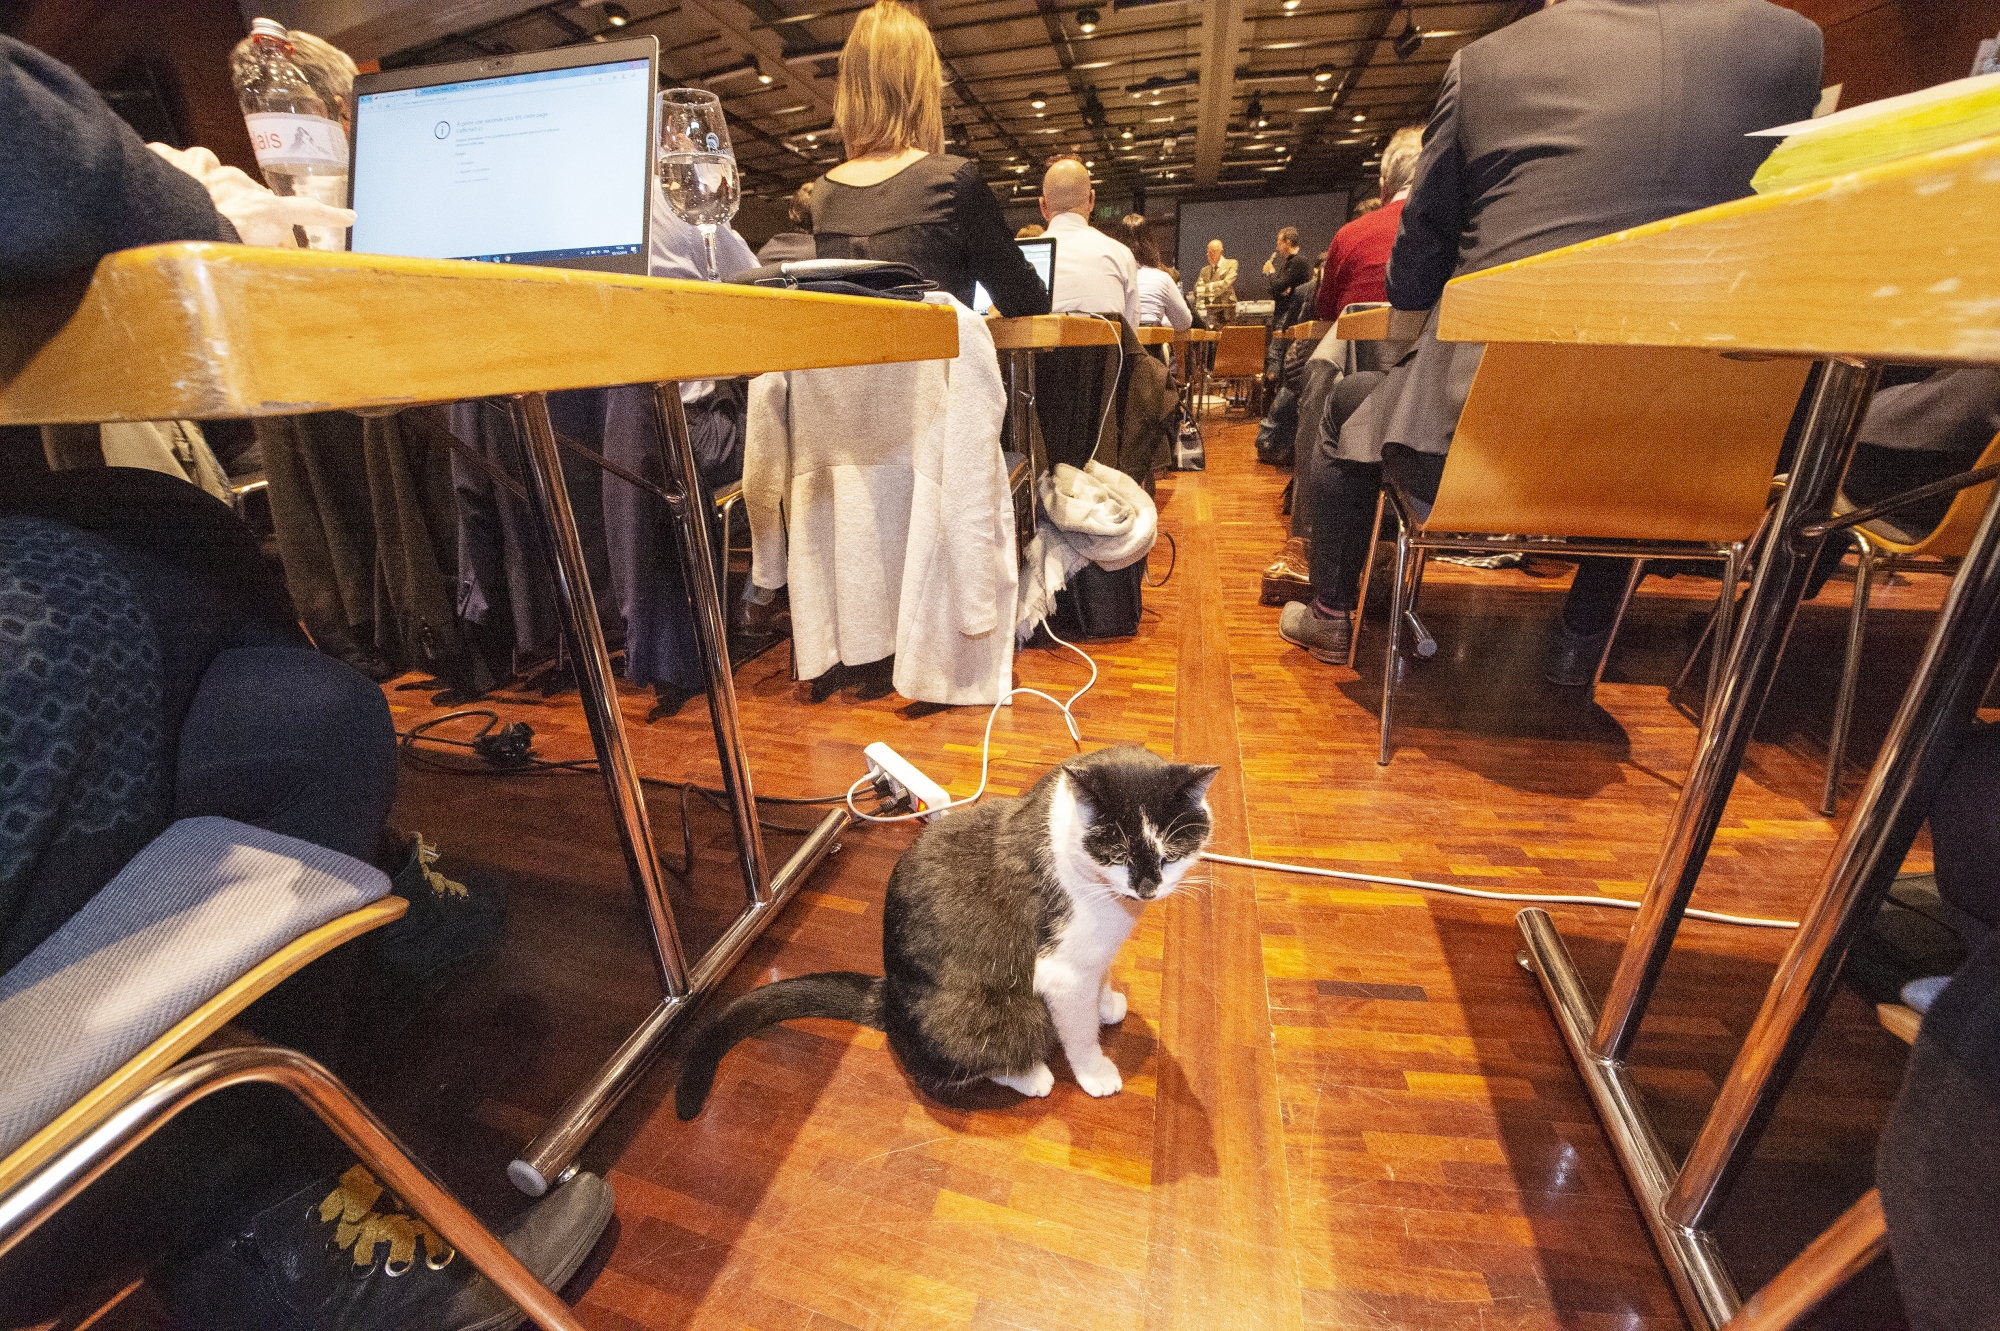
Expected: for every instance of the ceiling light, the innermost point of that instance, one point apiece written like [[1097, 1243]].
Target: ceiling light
[[617, 15], [1290, 5], [1088, 165], [1313, 110], [1281, 46], [1275, 166], [1360, 116], [1097, 64], [1086, 21], [1037, 100], [1126, 135], [1323, 74], [763, 75]]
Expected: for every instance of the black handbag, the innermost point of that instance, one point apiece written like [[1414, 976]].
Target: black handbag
[[841, 277]]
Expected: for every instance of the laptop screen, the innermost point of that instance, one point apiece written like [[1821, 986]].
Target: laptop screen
[[1041, 253], [548, 166]]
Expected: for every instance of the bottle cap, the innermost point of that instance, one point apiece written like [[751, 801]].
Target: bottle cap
[[269, 27]]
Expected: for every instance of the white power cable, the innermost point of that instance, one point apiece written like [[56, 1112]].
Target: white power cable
[[1618, 903], [986, 742]]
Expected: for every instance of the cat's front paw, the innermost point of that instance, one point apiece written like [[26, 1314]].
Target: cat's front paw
[[1036, 1082], [1111, 1006], [1100, 1078]]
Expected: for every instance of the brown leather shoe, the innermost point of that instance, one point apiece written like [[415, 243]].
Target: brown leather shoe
[[1289, 576]]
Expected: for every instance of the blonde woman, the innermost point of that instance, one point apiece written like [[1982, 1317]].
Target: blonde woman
[[899, 195]]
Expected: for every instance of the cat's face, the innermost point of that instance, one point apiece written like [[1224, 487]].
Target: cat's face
[[1133, 823]]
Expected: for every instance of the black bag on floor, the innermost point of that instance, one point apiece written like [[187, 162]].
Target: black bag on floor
[[1097, 604]]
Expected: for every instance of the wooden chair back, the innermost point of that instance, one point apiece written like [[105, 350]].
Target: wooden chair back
[[1952, 537], [1239, 352], [1633, 443]]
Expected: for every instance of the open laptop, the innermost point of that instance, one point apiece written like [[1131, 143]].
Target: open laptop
[[1041, 252], [543, 158]]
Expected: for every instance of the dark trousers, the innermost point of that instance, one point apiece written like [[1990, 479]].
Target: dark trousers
[[1343, 499], [1939, 1162]]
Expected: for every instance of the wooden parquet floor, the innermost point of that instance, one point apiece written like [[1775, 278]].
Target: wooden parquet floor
[[1344, 1106]]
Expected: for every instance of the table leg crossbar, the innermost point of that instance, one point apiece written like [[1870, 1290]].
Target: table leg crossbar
[[552, 1155], [1680, 1202]]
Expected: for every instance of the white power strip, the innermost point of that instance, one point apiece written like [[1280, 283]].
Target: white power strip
[[926, 796]]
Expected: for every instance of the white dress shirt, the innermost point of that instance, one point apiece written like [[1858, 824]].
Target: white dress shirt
[[1094, 273], [1160, 301]]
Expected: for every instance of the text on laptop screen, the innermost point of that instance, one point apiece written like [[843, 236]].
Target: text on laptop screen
[[1041, 254], [523, 168]]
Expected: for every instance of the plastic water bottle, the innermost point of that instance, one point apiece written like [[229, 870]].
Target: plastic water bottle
[[300, 148]]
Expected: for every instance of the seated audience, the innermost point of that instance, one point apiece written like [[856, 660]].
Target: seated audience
[[1289, 272], [1215, 288], [1522, 156], [1357, 261], [1031, 231], [791, 246], [1161, 304], [1094, 273], [899, 195]]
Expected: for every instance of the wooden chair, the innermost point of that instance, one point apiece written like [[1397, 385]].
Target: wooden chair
[[105, 1123], [1884, 548], [1593, 450], [1239, 356]]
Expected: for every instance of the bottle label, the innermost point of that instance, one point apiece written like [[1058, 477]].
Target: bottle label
[[280, 136]]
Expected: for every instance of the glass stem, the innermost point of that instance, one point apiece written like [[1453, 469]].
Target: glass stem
[[708, 239]]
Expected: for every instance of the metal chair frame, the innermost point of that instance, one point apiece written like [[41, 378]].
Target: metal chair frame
[[1412, 537], [43, 1173], [47, 1189]]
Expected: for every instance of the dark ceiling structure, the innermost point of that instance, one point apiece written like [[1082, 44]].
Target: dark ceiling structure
[[1208, 98]]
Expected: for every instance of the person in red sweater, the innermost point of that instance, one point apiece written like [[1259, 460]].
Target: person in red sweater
[[1357, 262]]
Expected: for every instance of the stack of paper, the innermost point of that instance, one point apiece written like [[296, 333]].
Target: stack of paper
[[1877, 132]]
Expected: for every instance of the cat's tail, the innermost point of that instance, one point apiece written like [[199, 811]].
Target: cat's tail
[[841, 995]]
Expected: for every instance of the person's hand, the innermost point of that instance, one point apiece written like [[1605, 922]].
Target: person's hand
[[259, 216], [1270, 265]]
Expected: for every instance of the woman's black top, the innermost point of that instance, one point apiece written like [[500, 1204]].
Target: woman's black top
[[938, 216]]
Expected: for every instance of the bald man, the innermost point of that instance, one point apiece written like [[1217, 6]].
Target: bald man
[[1094, 273]]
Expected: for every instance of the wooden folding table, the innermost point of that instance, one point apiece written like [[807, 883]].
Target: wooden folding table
[[202, 331]]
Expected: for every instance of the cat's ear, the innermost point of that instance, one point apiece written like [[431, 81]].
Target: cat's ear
[[1083, 787], [1196, 781]]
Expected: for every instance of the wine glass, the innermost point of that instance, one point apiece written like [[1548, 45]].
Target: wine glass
[[697, 167]]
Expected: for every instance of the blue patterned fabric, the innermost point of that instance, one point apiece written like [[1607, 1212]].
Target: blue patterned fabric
[[84, 771]]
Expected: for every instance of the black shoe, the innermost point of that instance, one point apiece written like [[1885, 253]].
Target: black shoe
[[448, 927], [1573, 658], [345, 1255], [668, 699]]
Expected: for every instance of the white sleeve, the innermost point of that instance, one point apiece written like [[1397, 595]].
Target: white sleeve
[[1177, 310], [1131, 274], [767, 475]]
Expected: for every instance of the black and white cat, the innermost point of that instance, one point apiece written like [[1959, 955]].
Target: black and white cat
[[999, 929]]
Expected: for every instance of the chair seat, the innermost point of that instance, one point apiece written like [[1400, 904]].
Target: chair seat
[[195, 911]]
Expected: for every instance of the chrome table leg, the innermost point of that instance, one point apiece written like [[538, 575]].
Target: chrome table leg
[[1934, 718], [551, 1156], [1600, 1041], [1837, 406], [711, 630], [556, 524]]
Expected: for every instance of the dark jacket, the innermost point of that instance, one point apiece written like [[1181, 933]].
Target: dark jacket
[[937, 215], [1289, 275], [75, 181], [1580, 120]]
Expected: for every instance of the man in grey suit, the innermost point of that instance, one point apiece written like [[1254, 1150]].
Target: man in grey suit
[[1586, 118]]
